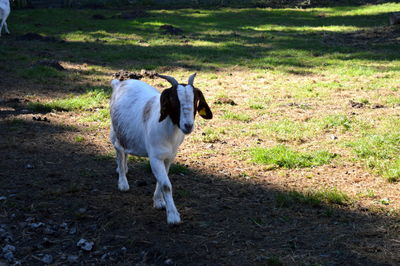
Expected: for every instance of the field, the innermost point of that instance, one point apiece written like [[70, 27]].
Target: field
[[299, 166]]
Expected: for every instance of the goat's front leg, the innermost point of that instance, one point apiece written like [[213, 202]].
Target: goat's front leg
[[164, 185], [158, 198], [122, 169]]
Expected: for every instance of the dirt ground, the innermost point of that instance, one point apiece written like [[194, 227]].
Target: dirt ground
[[59, 204]]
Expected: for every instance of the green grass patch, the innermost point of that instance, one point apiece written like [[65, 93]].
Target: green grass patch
[[96, 97], [242, 117], [381, 153], [281, 156], [342, 122], [312, 198], [285, 130], [43, 74], [79, 139]]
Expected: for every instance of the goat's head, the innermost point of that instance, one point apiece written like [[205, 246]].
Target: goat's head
[[181, 102]]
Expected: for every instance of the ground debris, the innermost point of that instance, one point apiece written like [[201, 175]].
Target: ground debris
[[169, 29], [50, 63], [39, 119], [356, 104], [85, 245], [48, 259], [124, 75], [377, 106], [225, 100]]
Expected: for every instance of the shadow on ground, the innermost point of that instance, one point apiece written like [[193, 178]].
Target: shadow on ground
[[56, 192]]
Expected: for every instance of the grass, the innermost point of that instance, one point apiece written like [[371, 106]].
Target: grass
[[242, 117], [312, 198], [42, 74], [380, 152], [282, 157], [291, 73], [95, 97]]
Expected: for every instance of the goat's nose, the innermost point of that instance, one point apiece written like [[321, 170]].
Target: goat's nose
[[188, 127]]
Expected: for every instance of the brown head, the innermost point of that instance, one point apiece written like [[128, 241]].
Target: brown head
[[181, 102]]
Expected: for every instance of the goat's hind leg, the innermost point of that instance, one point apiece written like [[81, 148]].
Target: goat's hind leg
[[122, 169], [6, 27], [158, 198], [1, 25]]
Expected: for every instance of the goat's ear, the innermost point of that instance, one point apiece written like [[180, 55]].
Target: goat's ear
[[164, 104], [203, 109]]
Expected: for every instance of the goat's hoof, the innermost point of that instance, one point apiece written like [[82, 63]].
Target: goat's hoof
[[159, 204], [173, 219], [123, 187]]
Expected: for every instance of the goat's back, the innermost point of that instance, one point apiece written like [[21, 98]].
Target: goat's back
[[132, 104]]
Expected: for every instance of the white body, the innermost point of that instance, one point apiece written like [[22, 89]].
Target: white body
[[136, 130], [4, 12]]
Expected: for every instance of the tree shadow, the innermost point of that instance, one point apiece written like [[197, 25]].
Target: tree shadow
[[71, 188]]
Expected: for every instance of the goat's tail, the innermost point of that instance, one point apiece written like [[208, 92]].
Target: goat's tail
[[115, 83]]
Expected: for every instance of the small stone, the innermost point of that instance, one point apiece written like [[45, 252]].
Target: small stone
[[64, 225], [29, 166], [8, 256], [36, 225], [48, 259], [72, 259], [7, 248], [73, 230], [49, 231], [333, 137], [168, 262], [85, 245], [82, 210]]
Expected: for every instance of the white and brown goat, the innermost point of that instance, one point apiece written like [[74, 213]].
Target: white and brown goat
[[4, 12], [147, 123]]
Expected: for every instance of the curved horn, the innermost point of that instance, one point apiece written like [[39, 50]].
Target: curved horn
[[191, 79], [169, 79]]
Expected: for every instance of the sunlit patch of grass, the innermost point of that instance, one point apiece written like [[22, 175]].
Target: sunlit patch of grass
[[380, 152], [342, 122], [211, 135], [93, 98], [79, 139], [256, 106], [242, 117], [312, 198], [286, 130], [281, 156], [100, 116], [393, 100]]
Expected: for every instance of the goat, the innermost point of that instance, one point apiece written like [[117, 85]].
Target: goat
[[4, 12], [149, 124]]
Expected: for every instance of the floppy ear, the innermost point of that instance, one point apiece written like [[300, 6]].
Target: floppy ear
[[164, 104], [203, 109]]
